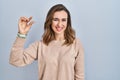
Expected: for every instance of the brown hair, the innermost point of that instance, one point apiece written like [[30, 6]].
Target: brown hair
[[49, 33]]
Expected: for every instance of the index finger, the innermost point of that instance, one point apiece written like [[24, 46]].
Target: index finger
[[30, 18]]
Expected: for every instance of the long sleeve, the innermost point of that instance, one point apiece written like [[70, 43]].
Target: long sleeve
[[79, 62], [20, 56]]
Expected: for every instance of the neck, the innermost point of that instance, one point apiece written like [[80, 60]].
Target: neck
[[59, 37]]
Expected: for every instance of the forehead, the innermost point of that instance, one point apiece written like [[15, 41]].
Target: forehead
[[60, 14]]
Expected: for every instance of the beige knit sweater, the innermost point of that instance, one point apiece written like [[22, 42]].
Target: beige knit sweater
[[55, 62]]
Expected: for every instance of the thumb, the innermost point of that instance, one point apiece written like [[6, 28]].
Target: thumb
[[31, 23]]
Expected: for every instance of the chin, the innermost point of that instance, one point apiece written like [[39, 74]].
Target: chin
[[59, 32]]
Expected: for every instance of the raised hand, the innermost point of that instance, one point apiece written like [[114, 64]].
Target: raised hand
[[24, 25]]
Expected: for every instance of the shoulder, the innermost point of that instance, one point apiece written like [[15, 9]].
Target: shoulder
[[78, 43], [36, 42]]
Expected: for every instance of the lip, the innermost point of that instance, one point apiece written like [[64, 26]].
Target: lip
[[58, 28]]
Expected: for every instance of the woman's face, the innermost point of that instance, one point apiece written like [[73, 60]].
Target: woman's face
[[59, 22]]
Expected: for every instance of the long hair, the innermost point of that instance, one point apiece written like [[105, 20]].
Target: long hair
[[49, 34]]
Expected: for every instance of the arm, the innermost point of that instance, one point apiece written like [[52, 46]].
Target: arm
[[79, 62], [20, 56]]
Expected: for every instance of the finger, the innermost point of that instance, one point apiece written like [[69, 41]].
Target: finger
[[31, 23], [30, 18], [24, 19]]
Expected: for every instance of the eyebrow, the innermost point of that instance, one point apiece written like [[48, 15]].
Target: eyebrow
[[58, 18]]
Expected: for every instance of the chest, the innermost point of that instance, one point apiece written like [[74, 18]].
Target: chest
[[58, 54]]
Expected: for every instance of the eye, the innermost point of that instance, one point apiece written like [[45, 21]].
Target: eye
[[64, 19], [55, 19]]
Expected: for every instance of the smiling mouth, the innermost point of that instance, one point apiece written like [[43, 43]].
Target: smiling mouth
[[58, 28]]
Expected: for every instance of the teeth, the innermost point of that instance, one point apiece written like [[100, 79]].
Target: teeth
[[59, 28]]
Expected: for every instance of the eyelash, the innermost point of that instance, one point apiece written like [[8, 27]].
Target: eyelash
[[58, 19]]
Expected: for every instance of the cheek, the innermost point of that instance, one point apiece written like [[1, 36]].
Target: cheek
[[65, 24], [54, 24]]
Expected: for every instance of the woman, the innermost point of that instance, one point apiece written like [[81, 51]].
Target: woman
[[60, 55]]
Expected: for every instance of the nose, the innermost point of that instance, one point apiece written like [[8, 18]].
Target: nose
[[59, 23]]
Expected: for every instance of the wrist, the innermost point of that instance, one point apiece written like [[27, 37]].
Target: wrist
[[21, 35], [20, 32]]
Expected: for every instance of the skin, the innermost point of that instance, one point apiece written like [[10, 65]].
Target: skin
[[59, 24], [24, 25]]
